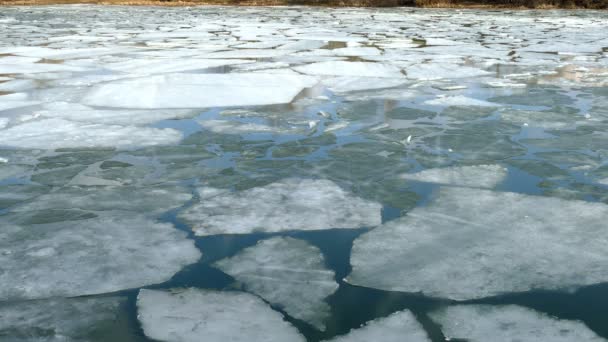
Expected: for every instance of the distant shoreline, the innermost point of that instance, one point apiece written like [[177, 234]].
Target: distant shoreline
[[457, 4]]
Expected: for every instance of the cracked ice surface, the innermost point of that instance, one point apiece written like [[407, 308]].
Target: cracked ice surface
[[489, 244], [508, 323], [186, 315], [90, 256], [286, 272], [290, 204]]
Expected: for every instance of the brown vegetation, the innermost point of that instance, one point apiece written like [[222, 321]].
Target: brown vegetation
[[592, 4]]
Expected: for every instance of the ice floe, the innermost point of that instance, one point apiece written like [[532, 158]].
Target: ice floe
[[90, 256], [481, 176], [290, 204], [361, 69], [399, 326], [507, 323], [199, 91], [459, 101], [76, 319], [288, 273], [59, 133], [189, 314], [439, 71], [348, 83], [472, 243]]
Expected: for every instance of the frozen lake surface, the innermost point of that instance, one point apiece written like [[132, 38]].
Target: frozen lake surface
[[303, 174]]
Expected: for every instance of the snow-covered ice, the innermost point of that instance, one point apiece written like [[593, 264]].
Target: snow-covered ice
[[286, 272], [290, 204], [480, 176], [187, 315], [110, 252], [399, 326], [472, 243], [508, 323]]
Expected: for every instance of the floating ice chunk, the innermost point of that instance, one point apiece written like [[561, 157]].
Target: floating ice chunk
[[459, 100], [76, 319], [349, 83], [504, 84], [286, 272], [111, 252], [37, 68], [155, 66], [477, 323], [59, 54], [236, 127], [290, 204], [187, 315], [199, 91], [17, 85], [58, 133], [481, 176], [18, 60], [6, 105], [249, 53], [80, 113], [400, 326], [339, 68], [302, 45], [148, 200], [437, 71], [485, 243]]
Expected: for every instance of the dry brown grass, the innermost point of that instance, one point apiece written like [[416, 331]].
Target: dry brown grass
[[540, 4]]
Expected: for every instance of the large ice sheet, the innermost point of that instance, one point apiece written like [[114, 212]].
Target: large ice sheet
[[480, 176], [107, 253], [349, 83], [290, 204], [362, 69], [508, 323], [439, 71], [200, 90], [60, 133], [400, 326], [472, 243], [147, 200], [77, 319], [191, 314], [156, 66], [286, 272]]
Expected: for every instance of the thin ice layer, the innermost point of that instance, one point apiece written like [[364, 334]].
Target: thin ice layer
[[199, 90], [507, 323], [191, 314], [59, 133], [472, 243], [286, 272], [290, 204], [62, 319], [111, 252], [480, 176], [398, 327]]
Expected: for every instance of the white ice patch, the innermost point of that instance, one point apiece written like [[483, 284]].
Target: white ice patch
[[472, 243], [459, 101], [291, 204], [200, 91], [508, 323], [61, 319], [112, 252], [361, 69], [439, 71], [191, 314], [59, 133], [36, 68], [348, 83], [147, 200], [125, 117], [6, 105], [398, 327], [236, 127], [288, 273], [156, 66], [481, 176]]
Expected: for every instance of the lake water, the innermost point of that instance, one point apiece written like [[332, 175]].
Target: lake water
[[293, 174]]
